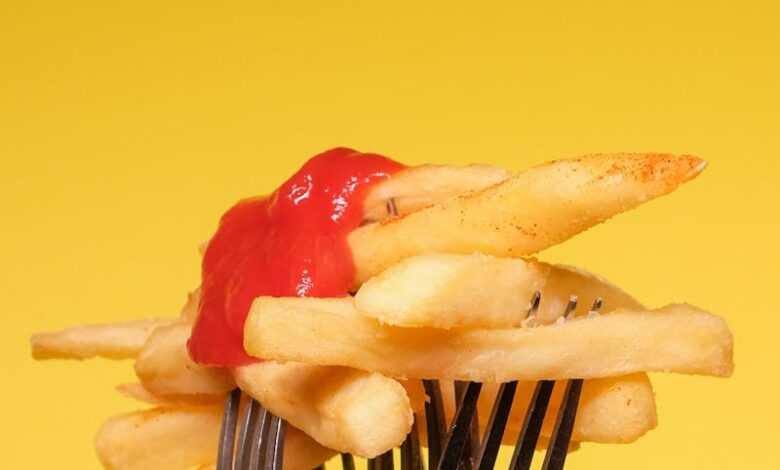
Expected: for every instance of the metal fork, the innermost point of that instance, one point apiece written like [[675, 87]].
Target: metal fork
[[260, 442]]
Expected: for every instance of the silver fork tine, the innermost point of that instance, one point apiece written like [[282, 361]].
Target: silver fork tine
[[259, 439], [411, 458], [274, 456], [471, 449], [436, 422], [460, 428], [228, 432], [246, 433], [347, 462], [558, 449]]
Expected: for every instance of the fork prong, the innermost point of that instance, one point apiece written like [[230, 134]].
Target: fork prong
[[228, 432], [436, 421], [259, 440], [347, 462], [460, 428], [564, 423], [532, 426], [471, 449], [246, 431], [382, 461], [491, 442], [411, 457], [274, 456]]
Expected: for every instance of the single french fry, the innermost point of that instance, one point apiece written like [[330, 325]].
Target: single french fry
[[180, 438], [479, 291], [676, 338], [138, 392], [110, 341], [611, 410], [164, 367], [344, 409], [529, 212], [175, 438], [420, 186]]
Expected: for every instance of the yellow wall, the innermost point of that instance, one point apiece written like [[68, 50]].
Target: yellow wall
[[126, 130]]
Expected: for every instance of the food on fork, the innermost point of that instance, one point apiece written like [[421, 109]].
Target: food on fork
[[327, 301]]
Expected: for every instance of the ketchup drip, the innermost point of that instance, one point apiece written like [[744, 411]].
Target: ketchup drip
[[291, 243]]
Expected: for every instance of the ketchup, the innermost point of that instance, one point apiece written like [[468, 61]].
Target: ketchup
[[291, 243]]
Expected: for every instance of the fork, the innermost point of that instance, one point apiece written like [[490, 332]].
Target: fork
[[260, 441]]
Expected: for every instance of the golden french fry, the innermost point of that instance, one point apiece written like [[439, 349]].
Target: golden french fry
[[421, 186], [180, 438], [164, 367], [161, 438], [344, 409], [189, 311], [533, 210], [676, 338], [138, 392], [611, 410], [110, 341], [479, 291]]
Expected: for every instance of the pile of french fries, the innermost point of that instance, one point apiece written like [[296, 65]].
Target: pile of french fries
[[442, 290]]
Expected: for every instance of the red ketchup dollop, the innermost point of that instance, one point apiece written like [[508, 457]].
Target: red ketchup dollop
[[291, 243]]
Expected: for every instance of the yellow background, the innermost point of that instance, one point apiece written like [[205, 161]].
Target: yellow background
[[126, 128]]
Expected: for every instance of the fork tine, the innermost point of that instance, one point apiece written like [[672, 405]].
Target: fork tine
[[564, 423], [411, 458], [347, 462], [274, 457], [246, 434], [228, 432], [382, 461], [491, 442], [436, 421], [471, 449], [460, 428], [259, 440]]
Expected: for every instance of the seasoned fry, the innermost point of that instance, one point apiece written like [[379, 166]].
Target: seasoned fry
[[478, 291], [676, 338], [164, 367], [344, 409], [110, 341], [421, 186], [180, 438], [161, 438], [536, 209]]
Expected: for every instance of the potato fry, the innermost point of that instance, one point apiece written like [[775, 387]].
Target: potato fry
[[478, 291], [180, 438], [161, 438], [533, 210], [344, 409], [138, 392], [189, 311], [611, 410], [421, 186], [110, 341], [164, 367], [676, 338]]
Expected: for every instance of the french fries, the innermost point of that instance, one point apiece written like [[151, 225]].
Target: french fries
[[110, 341], [677, 338], [180, 438], [416, 187], [533, 210], [478, 291], [164, 367], [344, 409]]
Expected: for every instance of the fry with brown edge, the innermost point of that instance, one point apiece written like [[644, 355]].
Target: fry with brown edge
[[345, 409], [180, 438], [676, 338], [164, 367], [420, 186], [479, 291], [529, 212], [110, 341]]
